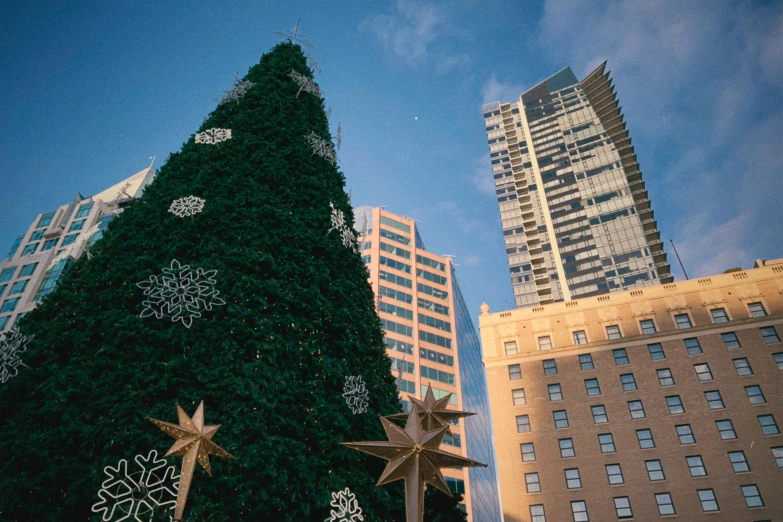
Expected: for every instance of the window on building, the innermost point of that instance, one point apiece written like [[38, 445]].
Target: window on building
[[714, 400], [7, 274], [523, 424], [561, 419], [35, 236], [49, 244], [628, 382], [622, 507], [665, 377], [592, 387], [28, 270], [9, 305], [555, 392], [613, 332], [719, 315], [599, 414], [683, 321], [778, 358], [19, 287], [703, 372], [84, 210], [550, 367], [615, 474], [752, 495], [685, 434], [647, 326], [777, 454], [579, 510], [755, 395], [768, 424], [693, 346], [606, 441], [528, 452], [545, 343], [566, 448], [69, 239], [537, 513], [519, 397], [532, 483], [708, 500], [645, 438], [696, 466], [45, 220], [656, 351], [726, 429], [511, 348], [770, 334], [654, 470], [675, 405], [580, 337], [29, 249], [738, 461], [730, 340], [4, 322], [586, 362], [637, 409], [77, 225], [573, 481], [620, 357], [742, 366], [757, 310], [514, 372], [14, 247], [665, 504]]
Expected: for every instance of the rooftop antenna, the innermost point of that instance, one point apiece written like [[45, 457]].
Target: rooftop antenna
[[679, 260], [152, 161]]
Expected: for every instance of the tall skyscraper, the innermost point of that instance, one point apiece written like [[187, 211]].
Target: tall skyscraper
[[642, 404], [431, 340], [40, 256], [575, 214]]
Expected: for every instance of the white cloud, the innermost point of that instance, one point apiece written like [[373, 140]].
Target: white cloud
[[482, 175], [495, 90]]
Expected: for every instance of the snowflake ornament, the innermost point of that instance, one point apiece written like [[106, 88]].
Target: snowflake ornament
[[186, 207], [148, 487], [235, 92], [11, 346], [292, 36], [339, 135], [180, 293], [313, 63], [305, 84], [321, 147], [346, 507], [355, 394], [346, 234], [213, 136]]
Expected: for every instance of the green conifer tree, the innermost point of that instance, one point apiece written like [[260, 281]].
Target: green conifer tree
[[270, 363]]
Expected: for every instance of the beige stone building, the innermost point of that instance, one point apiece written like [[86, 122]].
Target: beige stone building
[[645, 404]]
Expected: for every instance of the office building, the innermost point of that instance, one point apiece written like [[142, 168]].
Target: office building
[[642, 404], [431, 340], [40, 256], [575, 213]]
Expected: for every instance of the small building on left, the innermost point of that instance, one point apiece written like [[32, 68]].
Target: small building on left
[[40, 256]]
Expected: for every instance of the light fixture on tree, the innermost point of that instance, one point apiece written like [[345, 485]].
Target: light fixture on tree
[[321, 147], [305, 84], [13, 344], [213, 136], [293, 35]]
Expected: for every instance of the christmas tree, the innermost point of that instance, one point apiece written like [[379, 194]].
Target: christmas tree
[[233, 280]]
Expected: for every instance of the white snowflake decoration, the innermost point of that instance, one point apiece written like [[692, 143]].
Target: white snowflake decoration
[[305, 84], [11, 346], [339, 135], [321, 147], [346, 507], [150, 487], [355, 394], [180, 293], [235, 92], [313, 63], [186, 207], [292, 36], [338, 223], [213, 136], [328, 112]]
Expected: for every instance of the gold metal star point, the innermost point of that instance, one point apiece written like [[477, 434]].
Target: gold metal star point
[[433, 412]]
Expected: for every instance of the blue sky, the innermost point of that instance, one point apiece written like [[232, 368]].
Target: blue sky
[[89, 91]]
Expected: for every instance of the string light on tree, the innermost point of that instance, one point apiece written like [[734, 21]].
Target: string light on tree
[[13, 344], [187, 207], [355, 394], [321, 147], [346, 507], [305, 84], [338, 224], [213, 136]]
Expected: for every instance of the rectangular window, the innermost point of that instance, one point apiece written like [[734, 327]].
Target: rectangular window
[[523, 424], [755, 395], [645, 439], [726, 429], [544, 343], [777, 454], [429, 276], [514, 372], [4, 322], [714, 400], [528, 452], [665, 504], [7, 274], [622, 507], [398, 365], [397, 265], [615, 474], [399, 238], [69, 239], [566, 448], [778, 358], [752, 496], [393, 278], [9, 305], [675, 405], [586, 362], [19, 287], [592, 387], [14, 247], [770, 334], [519, 397], [719, 315], [613, 332], [437, 265], [683, 321], [555, 392], [35, 236], [580, 337], [599, 414], [400, 346], [45, 220], [703, 372], [665, 377], [433, 307], [561, 419], [757, 310], [28, 270], [84, 210], [77, 225], [637, 409], [438, 375], [579, 510], [399, 311], [708, 500], [685, 434], [537, 513], [742, 366], [550, 367], [573, 480], [49, 244], [656, 351], [693, 346], [434, 339], [397, 295], [395, 250], [406, 386], [696, 466], [436, 323], [532, 483], [511, 348], [391, 326], [606, 441], [620, 357], [654, 470], [647, 326], [29, 249], [628, 382], [738, 461], [730, 340], [434, 292], [396, 224], [768, 425]]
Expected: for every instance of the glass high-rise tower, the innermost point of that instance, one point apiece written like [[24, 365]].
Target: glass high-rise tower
[[575, 213]]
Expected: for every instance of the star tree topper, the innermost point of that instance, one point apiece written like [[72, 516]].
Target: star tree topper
[[413, 456], [433, 413], [194, 443]]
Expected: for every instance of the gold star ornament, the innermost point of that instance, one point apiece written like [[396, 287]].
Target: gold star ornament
[[194, 443], [414, 457], [433, 413]]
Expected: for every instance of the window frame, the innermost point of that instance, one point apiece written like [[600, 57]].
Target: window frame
[[618, 508], [619, 472], [661, 380], [512, 372], [710, 401], [633, 381], [515, 397], [524, 424], [764, 426], [708, 372], [698, 465], [564, 419], [577, 479], [588, 360], [722, 431], [604, 414], [690, 437], [746, 365], [524, 453], [713, 499], [537, 517], [617, 351], [679, 404], [535, 483], [767, 336], [659, 470], [753, 313], [755, 388], [689, 349], [758, 495], [549, 369], [554, 390], [635, 406], [777, 454], [607, 444], [613, 335], [728, 342], [734, 463], [541, 345], [590, 388], [660, 505], [683, 325], [652, 325], [640, 440], [579, 338], [719, 319], [656, 349], [581, 515], [561, 447], [512, 345]]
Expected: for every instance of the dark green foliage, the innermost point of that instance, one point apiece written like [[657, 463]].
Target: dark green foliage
[[270, 364]]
